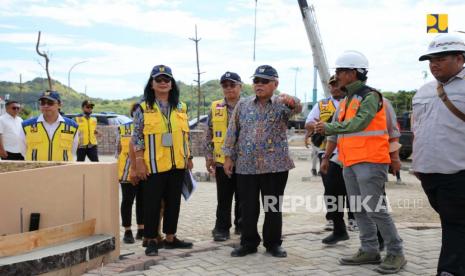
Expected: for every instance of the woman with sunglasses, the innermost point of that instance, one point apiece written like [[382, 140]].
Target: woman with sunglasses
[[162, 148]]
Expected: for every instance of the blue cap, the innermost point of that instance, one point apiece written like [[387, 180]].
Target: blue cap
[[266, 72], [50, 95], [161, 70], [231, 76]]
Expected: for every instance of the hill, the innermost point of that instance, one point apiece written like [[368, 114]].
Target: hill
[[211, 90]]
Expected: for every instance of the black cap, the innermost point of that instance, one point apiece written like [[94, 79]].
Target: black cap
[[86, 103], [266, 72], [50, 95], [332, 79], [231, 76], [161, 70]]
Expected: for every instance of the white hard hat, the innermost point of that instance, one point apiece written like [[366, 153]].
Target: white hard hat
[[444, 43], [352, 59]]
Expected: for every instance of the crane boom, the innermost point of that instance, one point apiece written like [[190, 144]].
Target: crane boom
[[313, 33]]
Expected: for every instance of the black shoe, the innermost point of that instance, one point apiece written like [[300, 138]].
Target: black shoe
[[128, 238], [277, 251], [241, 251], [333, 239], [221, 236], [176, 243], [314, 172], [140, 234], [214, 232], [237, 230], [159, 244], [152, 248]]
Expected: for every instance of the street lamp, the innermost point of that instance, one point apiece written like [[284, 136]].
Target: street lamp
[[70, 69], [296, 69]]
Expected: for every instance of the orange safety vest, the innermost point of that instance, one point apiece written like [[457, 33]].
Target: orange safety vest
[[370, 145]]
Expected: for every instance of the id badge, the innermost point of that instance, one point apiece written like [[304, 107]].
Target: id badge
[[167, 139]]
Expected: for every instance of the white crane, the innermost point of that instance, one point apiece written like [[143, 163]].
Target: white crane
[[313, 33]]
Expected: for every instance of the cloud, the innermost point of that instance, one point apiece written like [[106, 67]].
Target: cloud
[[31, 38], [392, 34]]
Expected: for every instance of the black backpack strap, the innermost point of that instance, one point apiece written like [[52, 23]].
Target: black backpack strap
[[363, 92]]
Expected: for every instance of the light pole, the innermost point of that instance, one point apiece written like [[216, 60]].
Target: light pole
[[70, 69], [296, 69]]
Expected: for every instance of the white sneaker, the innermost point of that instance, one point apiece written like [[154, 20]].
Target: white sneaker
[[329, 226], [353, 226]]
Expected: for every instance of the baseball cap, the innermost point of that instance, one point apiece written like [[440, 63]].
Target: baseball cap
[[266, 72], [161, 70], [51, 95], [86, 103], [332, 79], [231, 76]]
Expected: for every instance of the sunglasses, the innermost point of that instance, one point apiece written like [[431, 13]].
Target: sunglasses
[[16, 108], [162, 79], [227, 85], [341, 70], [47, 102], [260, 80], [90, 106]]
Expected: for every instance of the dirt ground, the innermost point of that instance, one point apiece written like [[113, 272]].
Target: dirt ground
[[6, 166]]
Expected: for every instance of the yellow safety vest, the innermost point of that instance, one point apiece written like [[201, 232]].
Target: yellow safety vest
[[124, 163], [327, 110], [87, 127], [220, 126], [39, 147], [157, 157]]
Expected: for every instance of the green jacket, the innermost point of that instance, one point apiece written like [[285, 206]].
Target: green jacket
[[366, 112]]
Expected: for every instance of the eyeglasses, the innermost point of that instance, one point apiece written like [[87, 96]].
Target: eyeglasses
[[16, 108], [46, 102], [261, 80], [90, 106], [227, 85], [162, 79]]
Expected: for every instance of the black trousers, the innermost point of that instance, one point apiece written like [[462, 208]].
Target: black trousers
[[271, 186], [158, 186], [335, 190], [90, 152], [13, 156], [226, 189], [131, 192], [446, 194]]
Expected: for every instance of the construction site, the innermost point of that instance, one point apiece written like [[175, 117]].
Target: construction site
[[63, 217]]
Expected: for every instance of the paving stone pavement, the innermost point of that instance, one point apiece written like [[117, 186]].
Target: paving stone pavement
[[302, 230]]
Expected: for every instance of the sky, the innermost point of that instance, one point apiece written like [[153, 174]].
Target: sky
[[119, 41]]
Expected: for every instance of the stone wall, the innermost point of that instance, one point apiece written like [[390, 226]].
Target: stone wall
[[197, 140], [107, 142]]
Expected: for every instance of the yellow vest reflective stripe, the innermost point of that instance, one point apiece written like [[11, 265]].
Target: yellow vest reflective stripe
[[39, 147], [124, 163], [327, 109], [159, 158], [220, 126], [87, 129]]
